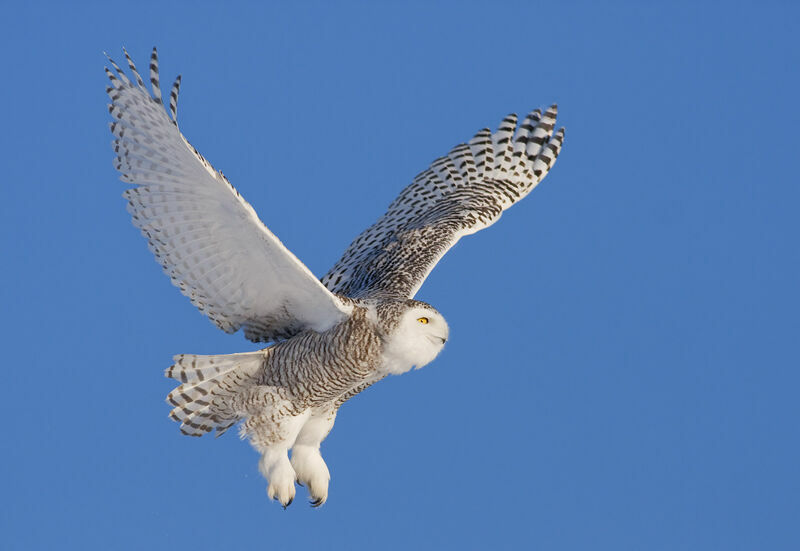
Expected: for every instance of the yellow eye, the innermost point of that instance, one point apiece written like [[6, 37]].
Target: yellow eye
[[423, 320]]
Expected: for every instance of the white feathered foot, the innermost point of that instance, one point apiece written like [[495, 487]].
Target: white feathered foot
[[278, 471], [273, 438], [311, 470]]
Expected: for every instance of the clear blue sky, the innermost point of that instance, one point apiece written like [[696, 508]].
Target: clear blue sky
[[622, 372]]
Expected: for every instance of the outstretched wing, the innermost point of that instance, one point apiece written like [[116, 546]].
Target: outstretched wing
[[458, 195], [207, 238]]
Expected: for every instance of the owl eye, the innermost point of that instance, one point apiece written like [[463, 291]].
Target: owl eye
[[423, 320]]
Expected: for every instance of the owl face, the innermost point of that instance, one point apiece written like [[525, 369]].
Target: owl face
[[416, 340]]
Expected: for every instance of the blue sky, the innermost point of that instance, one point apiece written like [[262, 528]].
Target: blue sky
[[622, 371]]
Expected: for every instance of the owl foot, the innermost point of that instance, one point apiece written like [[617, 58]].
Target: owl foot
[[280, 476], [311, 472]]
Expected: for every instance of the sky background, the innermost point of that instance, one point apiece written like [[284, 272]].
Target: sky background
[[622, 371]]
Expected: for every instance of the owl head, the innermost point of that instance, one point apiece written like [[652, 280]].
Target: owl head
[[415, 337]]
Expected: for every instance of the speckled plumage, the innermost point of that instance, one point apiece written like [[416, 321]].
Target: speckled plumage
[[332, 338], [461, 193]]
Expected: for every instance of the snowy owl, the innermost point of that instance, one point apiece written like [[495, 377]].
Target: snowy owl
[[330, 338]]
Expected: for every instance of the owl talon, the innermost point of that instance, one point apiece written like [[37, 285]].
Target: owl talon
[[316, 502]]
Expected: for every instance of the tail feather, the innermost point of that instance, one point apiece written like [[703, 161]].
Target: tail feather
[[204, 400]]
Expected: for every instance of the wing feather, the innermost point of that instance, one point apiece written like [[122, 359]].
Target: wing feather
[[460, 193], [207, 238]]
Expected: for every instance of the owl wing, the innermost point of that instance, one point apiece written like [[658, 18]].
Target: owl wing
[[207, 238], [460, 194]]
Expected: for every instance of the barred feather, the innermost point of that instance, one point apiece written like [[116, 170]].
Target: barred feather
[[173, 99], [154, 82], [205, 399], [139, 80]]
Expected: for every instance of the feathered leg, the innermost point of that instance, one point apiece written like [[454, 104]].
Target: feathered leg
[[306, 459], [273, 435]]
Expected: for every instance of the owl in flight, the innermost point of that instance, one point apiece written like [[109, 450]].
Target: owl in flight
[[330, 338]]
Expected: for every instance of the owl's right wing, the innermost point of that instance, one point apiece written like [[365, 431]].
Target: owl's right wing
[[207, 238]]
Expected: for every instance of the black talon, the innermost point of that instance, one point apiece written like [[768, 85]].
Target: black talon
[[315, 502], [288, 503]]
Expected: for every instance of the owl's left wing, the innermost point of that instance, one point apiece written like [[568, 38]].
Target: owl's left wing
[[459, 194], [207, 238]]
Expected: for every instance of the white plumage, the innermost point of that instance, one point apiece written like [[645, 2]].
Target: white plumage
[[330, 338]]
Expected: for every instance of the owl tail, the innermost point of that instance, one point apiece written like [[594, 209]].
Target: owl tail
[[205, 399]]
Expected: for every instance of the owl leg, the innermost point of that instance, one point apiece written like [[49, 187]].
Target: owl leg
[[275, 467], [307, 460], [274, 442]]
